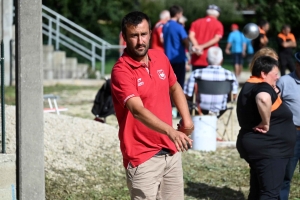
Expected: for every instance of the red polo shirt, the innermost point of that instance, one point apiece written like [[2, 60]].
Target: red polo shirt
[[156, 35], [129, 79], [205, 29]]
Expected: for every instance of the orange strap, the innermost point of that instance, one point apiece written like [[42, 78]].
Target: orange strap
[[277, 103], [255, 79]]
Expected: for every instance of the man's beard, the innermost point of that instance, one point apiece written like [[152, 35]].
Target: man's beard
[[137, 53]]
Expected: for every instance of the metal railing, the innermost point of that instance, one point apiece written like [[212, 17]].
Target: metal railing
[[2, 101], [79, 40]]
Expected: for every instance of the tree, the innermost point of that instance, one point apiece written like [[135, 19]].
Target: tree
[[103, 17], [277, 12]]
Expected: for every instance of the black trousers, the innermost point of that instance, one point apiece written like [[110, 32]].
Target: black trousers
[[266, 178], [179, 70], [286, 62]]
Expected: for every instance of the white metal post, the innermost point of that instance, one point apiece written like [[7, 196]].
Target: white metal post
[[57, 32], [50, 32], [93, 56], [103, 61]]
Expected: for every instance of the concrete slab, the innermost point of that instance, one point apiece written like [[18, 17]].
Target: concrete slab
[[71, 67], [8, 176], [59, 63]]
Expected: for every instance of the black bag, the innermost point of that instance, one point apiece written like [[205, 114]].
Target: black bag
[[103, 104]]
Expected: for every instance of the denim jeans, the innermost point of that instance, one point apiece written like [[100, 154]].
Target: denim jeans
[[289, 172]]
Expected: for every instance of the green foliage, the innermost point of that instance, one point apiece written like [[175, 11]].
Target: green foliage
[[277, 12], [100, 17], [103, 18]]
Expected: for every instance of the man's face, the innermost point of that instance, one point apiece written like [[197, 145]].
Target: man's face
[[266, 27], [286, 31], [137, 39], [179, 15]]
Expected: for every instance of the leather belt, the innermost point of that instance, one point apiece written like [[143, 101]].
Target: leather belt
[[298, 128], [163, 151]]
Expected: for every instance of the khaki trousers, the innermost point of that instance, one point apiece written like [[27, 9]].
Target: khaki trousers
[[159, 178]]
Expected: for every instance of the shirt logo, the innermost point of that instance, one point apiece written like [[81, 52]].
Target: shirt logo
[[140, 82], [161, 74]]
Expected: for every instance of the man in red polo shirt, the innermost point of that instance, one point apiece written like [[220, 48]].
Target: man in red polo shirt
[[204, 33], [157, 39], [142, 82]]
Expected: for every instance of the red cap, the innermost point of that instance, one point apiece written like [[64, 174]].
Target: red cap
[[234, 26]]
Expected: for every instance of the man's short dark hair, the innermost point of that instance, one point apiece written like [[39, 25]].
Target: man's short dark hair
[[285, 26], [174, 10], [263, 64], [134, 18], [262, 23]]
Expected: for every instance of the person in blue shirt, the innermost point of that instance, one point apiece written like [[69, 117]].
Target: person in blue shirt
[[175, 42], [236, 46]]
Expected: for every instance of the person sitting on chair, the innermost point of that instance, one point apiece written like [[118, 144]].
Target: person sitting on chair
[[211, 103]]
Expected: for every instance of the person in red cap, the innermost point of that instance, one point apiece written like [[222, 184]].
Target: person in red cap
[[236, 46], [204, 33]]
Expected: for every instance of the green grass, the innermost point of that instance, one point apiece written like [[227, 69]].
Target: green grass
[[10, 95], [208, 176], [109, 63]]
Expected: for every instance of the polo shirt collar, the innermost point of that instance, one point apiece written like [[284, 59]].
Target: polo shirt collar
[[133, 62], [214, 66], [294, 76]]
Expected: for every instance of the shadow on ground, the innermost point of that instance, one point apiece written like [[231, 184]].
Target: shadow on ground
[[204, 191]]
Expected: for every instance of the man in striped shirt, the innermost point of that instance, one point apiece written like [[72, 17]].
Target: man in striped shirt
[[213, 72]]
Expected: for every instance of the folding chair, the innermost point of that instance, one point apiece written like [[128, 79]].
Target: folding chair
[[214, 88], [52, 100]]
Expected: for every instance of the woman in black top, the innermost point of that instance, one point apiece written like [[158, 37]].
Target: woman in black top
[[267, 136]]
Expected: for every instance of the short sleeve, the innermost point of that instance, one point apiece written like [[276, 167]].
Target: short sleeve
[[182, 33], [279, 40], [219, 30], [123, 85], [192, 28], [292, 37], [230, 38], [265, 87]]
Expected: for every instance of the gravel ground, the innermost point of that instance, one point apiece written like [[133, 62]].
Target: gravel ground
[[69, 141]]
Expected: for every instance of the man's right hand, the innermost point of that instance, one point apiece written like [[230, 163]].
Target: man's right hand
[[180, 140]]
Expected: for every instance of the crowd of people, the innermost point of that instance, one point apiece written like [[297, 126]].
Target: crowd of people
[[148, 85]]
